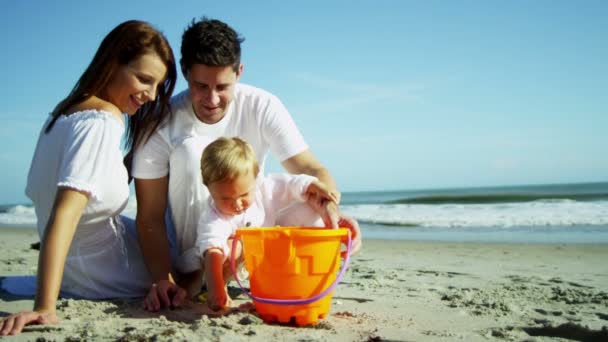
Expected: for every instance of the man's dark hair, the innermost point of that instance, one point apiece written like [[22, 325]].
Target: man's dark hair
[[212, 43]]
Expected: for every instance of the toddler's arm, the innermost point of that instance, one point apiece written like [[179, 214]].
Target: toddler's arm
[[217, 296]]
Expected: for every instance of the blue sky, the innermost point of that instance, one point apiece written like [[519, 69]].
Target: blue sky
[[389, 94]]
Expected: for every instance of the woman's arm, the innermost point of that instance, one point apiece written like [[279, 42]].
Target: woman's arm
[[67, 210]]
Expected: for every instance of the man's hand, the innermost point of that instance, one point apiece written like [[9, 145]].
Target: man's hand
[[324, 202], [333, 218], [165, 293], [13, 324], [321, 193]]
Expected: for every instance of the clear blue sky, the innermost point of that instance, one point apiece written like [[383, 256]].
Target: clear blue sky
[[389, 94]]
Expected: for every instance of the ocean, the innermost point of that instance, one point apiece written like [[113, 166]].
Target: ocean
[[560, 213]]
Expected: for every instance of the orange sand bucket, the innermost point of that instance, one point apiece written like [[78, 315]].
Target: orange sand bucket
[[292, 270]]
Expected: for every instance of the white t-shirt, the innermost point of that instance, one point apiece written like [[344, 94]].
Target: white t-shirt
[[82, 152], [272, 194], [175, 149], [254, 115]]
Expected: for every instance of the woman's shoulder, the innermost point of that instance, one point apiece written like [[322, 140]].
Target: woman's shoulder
[[96, 103], [90, 124], [93, 107]]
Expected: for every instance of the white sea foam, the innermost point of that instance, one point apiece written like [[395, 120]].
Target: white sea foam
[[530, 214], [22, 215], [19, 215], [543, 213]]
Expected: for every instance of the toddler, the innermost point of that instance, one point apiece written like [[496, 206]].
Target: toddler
[[238, 199]]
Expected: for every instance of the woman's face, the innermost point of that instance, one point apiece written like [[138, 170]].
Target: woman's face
[[136, 83]]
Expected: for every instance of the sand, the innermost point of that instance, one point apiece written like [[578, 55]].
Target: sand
[[393, 291]]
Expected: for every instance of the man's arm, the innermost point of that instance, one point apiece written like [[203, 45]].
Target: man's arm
[[305, 162], [150, 220]]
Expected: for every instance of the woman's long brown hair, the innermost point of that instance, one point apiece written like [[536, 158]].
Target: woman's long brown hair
[[122, 45]]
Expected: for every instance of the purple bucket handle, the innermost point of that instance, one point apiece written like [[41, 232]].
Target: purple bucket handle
[[293, 301]]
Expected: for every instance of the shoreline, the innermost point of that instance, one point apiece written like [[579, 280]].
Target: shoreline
[[567, 235], [393, 290]]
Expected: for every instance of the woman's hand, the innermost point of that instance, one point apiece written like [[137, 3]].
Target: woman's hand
[[13, 324]]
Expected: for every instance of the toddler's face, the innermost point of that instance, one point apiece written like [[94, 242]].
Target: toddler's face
[[233, 196]]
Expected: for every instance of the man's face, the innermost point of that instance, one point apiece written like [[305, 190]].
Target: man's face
[[212, 90]]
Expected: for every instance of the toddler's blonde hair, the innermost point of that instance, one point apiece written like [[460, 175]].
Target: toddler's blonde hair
[[228, 158]]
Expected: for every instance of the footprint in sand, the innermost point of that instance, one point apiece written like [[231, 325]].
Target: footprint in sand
[[440, 273], [15, 261], [570, 331], [549, 312]]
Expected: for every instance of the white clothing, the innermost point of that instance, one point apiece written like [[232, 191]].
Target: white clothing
[[82, 152], [272, 194], [176, 148]]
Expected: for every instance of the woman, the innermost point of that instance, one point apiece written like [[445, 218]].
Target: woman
[[78, 182]]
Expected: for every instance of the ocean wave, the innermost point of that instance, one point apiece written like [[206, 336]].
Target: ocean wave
[[537, 213], [529, 214], [497, 198], [25, 215], [18, 215]]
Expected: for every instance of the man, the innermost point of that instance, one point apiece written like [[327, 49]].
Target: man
[[167, 167]]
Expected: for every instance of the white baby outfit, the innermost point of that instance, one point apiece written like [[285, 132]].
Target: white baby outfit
[[272, 194]]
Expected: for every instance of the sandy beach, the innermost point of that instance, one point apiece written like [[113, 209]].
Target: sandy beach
[[393, 291]]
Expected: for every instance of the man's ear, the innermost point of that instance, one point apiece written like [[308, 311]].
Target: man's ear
[[239, 72], [184, 70]]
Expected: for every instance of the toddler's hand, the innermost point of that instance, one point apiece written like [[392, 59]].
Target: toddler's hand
[[218, 299]]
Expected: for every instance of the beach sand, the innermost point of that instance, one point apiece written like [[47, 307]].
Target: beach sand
[[393, 291]]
